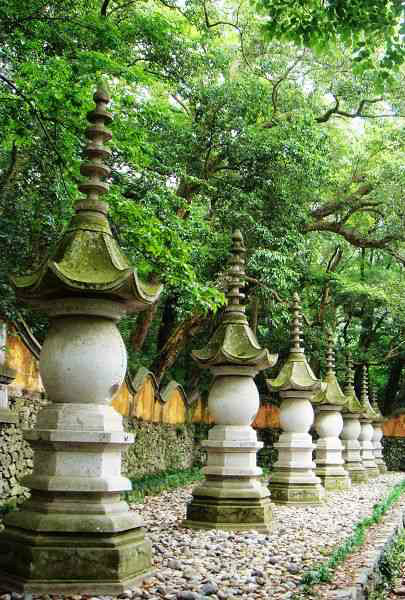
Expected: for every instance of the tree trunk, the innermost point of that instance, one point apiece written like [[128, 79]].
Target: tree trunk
[[174, 344], [141, 327], [392, 387]]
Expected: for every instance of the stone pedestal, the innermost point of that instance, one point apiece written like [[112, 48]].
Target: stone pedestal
[[328, 456], [232, 496], [293, 480], [75, 534], [352, 449], [367, 448], [376, 441]]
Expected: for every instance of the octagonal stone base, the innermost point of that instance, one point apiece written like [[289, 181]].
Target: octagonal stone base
[[73, 563], [358, 475], [372, 472], [332, 481], [296, 494], [235, 514], [382, 467]]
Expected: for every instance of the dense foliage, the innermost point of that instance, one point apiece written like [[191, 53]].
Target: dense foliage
[[221, 120]]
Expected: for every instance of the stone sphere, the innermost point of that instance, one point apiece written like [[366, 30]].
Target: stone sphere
[[377, 433], [296, 415], [351, 429], [233, 400], [83, 360], [329, 424], [367, 431]]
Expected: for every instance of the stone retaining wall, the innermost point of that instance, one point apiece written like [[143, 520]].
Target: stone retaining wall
[[15, 453]]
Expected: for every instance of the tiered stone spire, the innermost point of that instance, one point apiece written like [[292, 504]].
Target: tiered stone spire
[[351, 429], [330, 401], [378, 434], [232, 495], [234, 343], [293, 480], [75, 527], [88, 259], [367, 431]]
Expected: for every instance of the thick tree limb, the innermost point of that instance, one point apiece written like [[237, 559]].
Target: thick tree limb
[[335, 110], [333, 207], [351, 235]]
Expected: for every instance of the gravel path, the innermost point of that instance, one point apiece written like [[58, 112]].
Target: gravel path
[[219, 565]]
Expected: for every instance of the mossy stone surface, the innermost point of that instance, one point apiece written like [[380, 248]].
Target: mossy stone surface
[[358, 476], [297, 495], [94, 563], [229, 514], [334, 482]]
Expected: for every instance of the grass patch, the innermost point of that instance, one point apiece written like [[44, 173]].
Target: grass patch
[[324, 572], [156, 483]]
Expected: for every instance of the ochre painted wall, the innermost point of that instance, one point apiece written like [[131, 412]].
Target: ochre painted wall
[[20, 358]]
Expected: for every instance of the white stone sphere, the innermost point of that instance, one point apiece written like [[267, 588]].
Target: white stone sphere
[[296, 415], [366, 434], [83, 360], [233, 400], [329, 424], [351, 429], [377, 433]]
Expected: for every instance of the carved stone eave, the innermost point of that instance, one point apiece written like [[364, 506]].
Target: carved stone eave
[[331, 394], [366, 409], [87, 262], [353, 403], [234, 343], [296, 374]]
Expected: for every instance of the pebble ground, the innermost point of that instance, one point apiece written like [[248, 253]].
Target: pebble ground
[[219, 565]]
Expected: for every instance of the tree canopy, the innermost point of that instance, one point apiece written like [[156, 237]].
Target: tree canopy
[[225, 116]]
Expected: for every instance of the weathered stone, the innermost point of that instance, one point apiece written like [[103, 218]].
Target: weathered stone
[[329, 424], [75, 533], [293, 479], [232, 495]]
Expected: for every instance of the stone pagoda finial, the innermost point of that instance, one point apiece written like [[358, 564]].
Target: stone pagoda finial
[[364, 397], [97, 133], [331, 393], [330, 360], [236, 273], [353, 403], [88, 259], [296, 329], [234, 342], [374, 405], [296, 373]]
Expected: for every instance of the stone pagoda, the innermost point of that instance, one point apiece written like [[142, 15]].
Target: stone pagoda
[[329, 403], [293, 480], [351, 430], [378, 434], [75, 533], [232, 496], [367, 431]]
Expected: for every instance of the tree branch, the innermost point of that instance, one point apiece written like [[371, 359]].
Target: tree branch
[[335, 110]]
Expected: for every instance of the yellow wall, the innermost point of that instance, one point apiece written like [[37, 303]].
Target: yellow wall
[[18, 357]]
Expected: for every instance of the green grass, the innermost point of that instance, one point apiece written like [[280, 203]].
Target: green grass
[[323, 573], [156, 483]]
